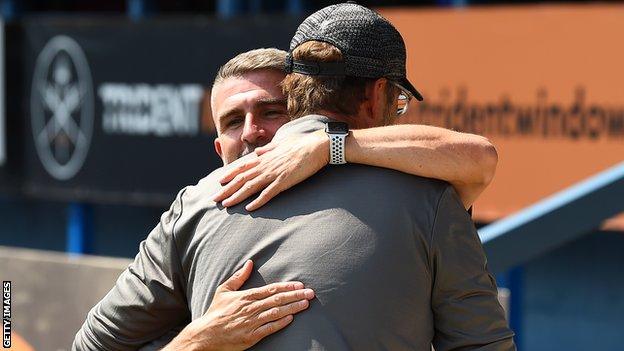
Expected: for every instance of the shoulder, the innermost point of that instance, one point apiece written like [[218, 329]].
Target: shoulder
[[451, 218], [190, 204], [201, 192]]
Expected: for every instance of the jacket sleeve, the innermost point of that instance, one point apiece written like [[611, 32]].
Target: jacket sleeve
[[148, 298], [467, 313]]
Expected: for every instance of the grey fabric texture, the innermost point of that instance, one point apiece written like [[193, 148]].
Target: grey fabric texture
[[394, 259], [370, 45]]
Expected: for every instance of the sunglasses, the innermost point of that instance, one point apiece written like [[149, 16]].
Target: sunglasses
[[403, 99]]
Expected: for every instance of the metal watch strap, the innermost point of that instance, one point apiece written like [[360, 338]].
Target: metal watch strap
[[337, 149]]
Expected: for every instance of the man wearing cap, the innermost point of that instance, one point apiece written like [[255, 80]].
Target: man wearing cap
[[347, 67], [394, 259]]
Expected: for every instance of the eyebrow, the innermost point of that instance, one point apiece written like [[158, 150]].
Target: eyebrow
[[264, 102], [230, 113]]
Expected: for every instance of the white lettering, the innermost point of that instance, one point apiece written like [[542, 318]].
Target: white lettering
[[6, 314], [141, 109]]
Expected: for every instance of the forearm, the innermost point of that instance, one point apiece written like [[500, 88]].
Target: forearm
[[119, 321], [147, 299], [464, 160]]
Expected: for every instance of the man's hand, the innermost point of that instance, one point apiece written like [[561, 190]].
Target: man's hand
[[237, 320], [279, 166]]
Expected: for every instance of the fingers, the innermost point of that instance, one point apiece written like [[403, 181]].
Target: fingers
[[238, 169], [267, 194], [272, 327], [264, 149], [281, 300], [248, 189], [239, 277], [272, 289], [277, 313], [236, 183]]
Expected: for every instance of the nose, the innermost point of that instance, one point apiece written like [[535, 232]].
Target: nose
[[253, 132]]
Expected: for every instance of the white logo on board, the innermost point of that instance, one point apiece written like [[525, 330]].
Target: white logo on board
[[61, 107]]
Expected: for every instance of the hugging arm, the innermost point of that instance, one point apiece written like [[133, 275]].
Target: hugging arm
[[147, 299], [466, 161]]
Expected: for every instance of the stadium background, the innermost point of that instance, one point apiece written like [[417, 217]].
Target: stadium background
[[543, 81]]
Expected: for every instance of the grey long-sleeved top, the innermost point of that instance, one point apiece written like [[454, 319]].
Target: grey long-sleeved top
[[394, 259]]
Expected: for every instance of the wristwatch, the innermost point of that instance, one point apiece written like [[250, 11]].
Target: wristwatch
[[337, 133]]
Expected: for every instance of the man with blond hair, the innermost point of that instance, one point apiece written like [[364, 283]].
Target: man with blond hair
[[369, 241]]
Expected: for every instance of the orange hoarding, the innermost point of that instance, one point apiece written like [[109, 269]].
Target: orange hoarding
[[544, 83]]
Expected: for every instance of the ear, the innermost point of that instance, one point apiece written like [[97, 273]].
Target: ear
[[217, 146]]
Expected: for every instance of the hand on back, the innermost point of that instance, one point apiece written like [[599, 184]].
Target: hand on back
[[238, 319]]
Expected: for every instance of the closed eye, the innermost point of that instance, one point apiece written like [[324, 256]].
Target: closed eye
[[233, 122], [274, 113]]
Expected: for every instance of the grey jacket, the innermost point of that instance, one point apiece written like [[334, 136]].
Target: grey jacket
[[394, 259]]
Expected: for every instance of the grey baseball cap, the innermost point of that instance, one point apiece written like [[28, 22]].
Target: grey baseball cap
[[371, 47]]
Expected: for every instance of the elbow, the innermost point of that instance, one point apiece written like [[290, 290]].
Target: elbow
[[483, 158], [487, 158]]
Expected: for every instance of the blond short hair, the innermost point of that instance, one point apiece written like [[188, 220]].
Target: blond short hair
[[250, 61]]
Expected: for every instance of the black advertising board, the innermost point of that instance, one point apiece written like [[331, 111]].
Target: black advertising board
[[10, 122], [117, 111]]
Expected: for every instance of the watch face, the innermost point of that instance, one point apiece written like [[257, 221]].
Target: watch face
[[337, 127]]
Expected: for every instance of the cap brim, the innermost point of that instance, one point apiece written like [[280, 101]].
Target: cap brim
[[407, 85]]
